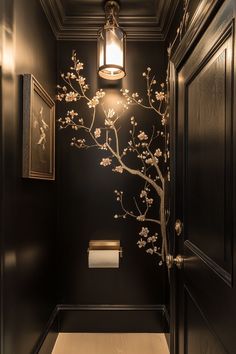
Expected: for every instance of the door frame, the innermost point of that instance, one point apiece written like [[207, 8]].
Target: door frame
[[200, 20]]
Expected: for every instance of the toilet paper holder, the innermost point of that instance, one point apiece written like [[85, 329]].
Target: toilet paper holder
[[113, 245]]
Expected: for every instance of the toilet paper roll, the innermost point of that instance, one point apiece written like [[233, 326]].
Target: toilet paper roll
[[103, 259]]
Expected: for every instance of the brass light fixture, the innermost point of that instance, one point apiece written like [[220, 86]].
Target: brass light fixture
[[111, 45]]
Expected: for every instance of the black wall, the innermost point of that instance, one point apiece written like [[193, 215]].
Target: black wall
[[87, 203], [28, 207]]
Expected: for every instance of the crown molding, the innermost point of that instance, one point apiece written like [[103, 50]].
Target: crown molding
[[84, 28], [167, 16], [53, 14]]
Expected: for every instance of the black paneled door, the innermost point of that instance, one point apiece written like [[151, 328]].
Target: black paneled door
[[205, 183]]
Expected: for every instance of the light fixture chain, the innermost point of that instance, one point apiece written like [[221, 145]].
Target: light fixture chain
[[112, 13]]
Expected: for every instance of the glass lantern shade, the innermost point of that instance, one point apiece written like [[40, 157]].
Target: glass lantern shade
[[111, 53]]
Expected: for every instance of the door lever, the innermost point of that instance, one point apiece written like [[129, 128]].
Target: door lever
[[178, 261]]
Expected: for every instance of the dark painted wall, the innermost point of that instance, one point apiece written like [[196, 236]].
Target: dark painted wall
[[87, 203], [28, 207]]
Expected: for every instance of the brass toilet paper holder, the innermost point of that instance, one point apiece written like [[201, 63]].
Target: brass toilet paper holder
[[112, 245]]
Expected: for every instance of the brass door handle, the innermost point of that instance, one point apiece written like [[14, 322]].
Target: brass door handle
[[171, 260], [178, 227]]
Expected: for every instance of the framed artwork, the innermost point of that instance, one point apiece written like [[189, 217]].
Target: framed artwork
[[38, 131]]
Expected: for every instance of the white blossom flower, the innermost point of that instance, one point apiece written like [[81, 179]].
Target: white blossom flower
[[158, 153], [81, 80], [103, 147], [152, 239], [105, 162], [93, 102], [100, 94], [149, 201], [97, 133], [149, 161], [67, 120], [160, 96], [141, 243], [141, 218], [143, 194], [118, 169], [124, 92], [142, 136], [150, 251], [144, 232], [80, 143], [59, 97], [71, 96], [73, 113], [79, 66]]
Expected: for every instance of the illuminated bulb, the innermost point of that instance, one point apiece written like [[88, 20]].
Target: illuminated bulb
[[114, 54]]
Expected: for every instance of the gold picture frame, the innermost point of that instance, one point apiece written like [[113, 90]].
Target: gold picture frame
[[38, 131]]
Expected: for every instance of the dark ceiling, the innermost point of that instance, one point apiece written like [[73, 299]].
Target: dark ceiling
[[80, 19], [127, 8]]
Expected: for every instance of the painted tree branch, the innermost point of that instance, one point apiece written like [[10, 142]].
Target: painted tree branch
[[150, 163]]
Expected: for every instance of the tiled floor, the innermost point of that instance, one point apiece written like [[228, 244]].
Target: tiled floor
[[111, 343]]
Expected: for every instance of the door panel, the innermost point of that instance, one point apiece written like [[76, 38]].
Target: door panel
[[208, 165], [199, 337], [205, 190]]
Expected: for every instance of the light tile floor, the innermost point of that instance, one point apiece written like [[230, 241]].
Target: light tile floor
[[111, 343]]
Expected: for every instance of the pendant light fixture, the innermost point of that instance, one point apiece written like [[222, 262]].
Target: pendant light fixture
[[111, 45]]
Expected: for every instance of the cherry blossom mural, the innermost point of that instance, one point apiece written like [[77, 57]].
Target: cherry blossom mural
[[144, 155]]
